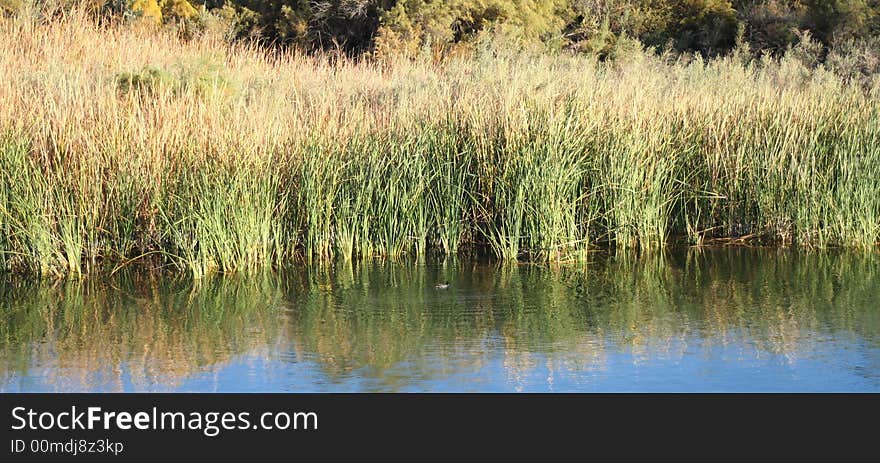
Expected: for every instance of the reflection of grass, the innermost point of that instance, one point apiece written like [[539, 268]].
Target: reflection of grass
[[379, 316], [388, 323], [159, 334]]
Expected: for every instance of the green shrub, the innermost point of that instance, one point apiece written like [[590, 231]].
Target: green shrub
[[202, 77], [149, 79], [771, 25], [411, 24]]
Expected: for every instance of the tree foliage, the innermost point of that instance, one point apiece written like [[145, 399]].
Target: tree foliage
[[163, 10], [601, 27], [410, 24]]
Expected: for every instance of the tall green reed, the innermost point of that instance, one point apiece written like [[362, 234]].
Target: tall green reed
[[530, 157]]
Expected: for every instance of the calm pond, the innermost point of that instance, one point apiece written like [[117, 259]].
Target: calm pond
[[713, 320]]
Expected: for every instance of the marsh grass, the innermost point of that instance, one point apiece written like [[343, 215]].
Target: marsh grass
[[219, 217], [122, 145]]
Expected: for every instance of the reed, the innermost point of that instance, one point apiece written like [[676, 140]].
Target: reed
[[122, 144]]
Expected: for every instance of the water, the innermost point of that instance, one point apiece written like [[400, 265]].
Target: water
[[718, 320]]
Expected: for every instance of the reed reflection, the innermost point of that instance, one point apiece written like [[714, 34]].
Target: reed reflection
[[387, 327]]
